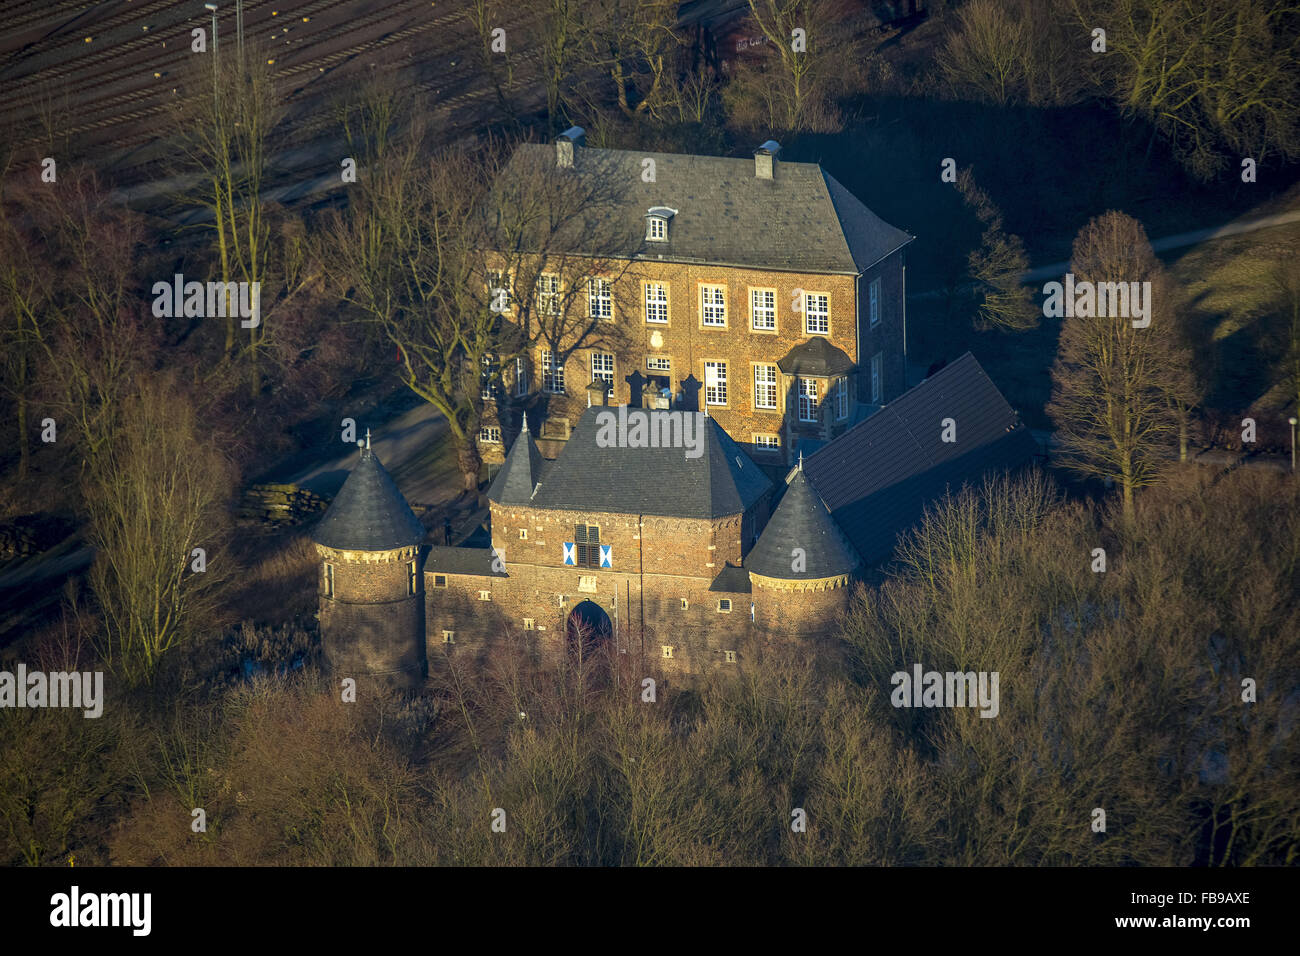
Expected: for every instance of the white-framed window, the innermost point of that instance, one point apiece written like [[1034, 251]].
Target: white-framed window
[[485, 595], [521, 378], [440, 580], [873, 297], [602, 368], [412, 580], [817, 313], [666, 650], [487, 379], [729, 657], [490, 434], [715, 383], [656, 302], [842, 398], [767, 442], [765, 387], [600, 299], [498, 282], [656, 228], [877, 369], [329, 580], [724, 605], [762, 310], [658, 363], [713, 305], [548, 294], [807, 399], [552, 374]]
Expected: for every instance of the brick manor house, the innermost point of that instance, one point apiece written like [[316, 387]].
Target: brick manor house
[[760, 291], [813, 456]]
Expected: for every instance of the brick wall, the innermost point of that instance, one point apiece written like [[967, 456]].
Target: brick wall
[[371, 624], [886, 337], [688, 344], [697, 547]]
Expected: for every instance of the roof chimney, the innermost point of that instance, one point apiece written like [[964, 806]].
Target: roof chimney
[[566, 146], [765, 159]]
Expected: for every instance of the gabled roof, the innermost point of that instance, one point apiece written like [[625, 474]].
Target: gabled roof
[[878, 477], [369, 513], [801, 523], [815, 357], [519, 475], [801, 220], [723, 480]]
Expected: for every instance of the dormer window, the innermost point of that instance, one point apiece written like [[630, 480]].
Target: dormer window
[[656, 223]]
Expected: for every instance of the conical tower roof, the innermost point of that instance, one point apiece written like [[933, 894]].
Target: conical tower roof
[[520, 473], [801, 521], [369, 513]]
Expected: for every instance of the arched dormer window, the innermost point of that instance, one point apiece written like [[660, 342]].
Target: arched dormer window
[[656, 223]]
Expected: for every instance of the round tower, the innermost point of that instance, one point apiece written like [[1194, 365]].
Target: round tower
[[801, 569], [371, 586]]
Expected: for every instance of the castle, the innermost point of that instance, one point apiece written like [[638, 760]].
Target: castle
[[757, 325], [686, 562]]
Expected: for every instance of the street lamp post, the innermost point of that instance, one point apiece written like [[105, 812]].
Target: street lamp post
[[1293, 420], [213, 7]]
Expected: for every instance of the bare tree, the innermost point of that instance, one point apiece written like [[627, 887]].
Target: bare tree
[[425, 249], [1286, 278], [985, 52], [155, 494], [997, 266], [1216, 78], [70, 329], [226, 122], [801, 36], [1112, 382]]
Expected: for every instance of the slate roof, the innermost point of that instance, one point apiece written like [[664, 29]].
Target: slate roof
[[446, 560], [800, 220], [369, 513], [801, 521], [520, 473], [816, 357], [878, 476], [732, 581], [654, 481]]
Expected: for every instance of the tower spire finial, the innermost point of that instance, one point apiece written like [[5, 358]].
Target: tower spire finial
[[800, 465], [525, 429], [367, 439]]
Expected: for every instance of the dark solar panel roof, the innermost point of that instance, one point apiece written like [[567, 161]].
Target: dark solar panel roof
[[723, 480], [369, 513], [801, 523], [879, 475]]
